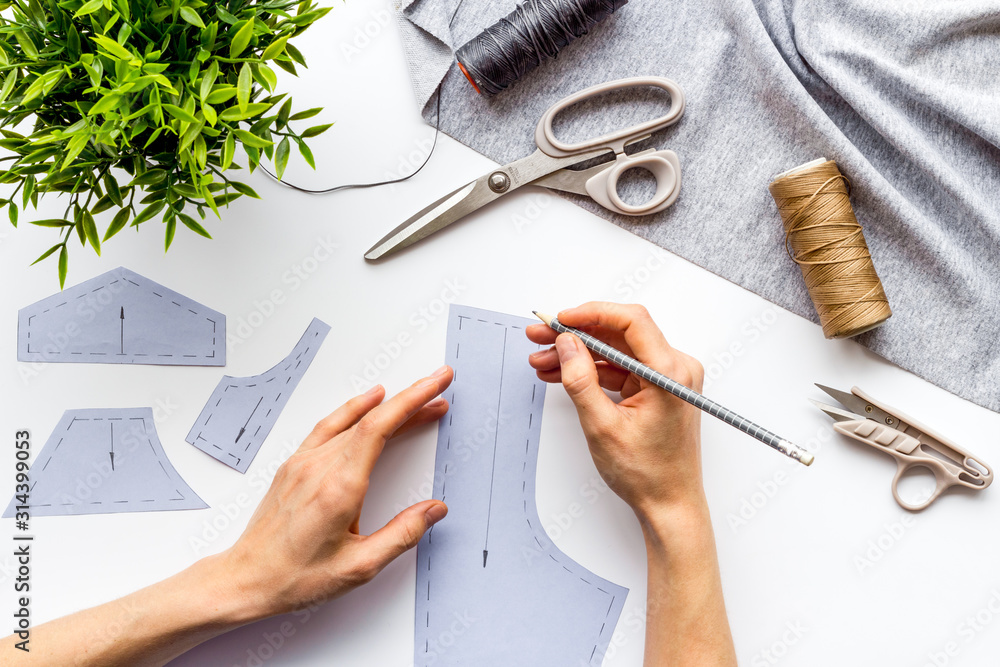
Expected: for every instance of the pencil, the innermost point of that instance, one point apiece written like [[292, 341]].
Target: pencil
[[635, 366]]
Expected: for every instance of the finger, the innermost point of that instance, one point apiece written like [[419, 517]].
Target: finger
[[372, 430], [633, 321], [542, 334], [431, 412], [610, 377], [401, 534], [343, 418], [579, 377]]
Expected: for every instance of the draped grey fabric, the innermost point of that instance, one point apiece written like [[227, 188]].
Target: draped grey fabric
[[904, 95]]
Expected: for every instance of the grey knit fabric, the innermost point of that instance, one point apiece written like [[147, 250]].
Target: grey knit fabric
[[905, 96]]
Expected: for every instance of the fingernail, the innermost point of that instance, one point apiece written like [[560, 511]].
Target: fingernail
[[435, 513], [566, 347], [427, 383], [374, 390], [537, 355], [440, 372], [436, 403]]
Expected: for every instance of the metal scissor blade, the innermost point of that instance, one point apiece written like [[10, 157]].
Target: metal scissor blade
[[836, 413], [437, 216], [849, 401]]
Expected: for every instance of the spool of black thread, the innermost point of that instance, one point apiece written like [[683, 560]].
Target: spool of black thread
[[535, 31]]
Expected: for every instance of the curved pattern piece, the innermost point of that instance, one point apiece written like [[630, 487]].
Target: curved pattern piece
[[492, 588], [103, 462], [121, 317], [241, 411]]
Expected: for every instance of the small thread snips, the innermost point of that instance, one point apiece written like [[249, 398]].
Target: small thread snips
[[911, 443]]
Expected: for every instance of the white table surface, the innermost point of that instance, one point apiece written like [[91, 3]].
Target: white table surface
[[820, 566]]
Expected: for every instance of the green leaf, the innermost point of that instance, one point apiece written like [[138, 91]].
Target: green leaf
[[194, 226], [274, 50], [251, 110], [12, 212], [252, 139], [111, 186], [267, 77], [151, 177], [316, 130], [241, 39], [148, 212], [295, 54], [208, 80], [225, 16], [105, 104], [74, 148], [244, 189], [228, 150], [281, 157], [221, 94], [283, 113], [118, 223], [90, 231], [53, 222], [63, 266], [208, 111], [113, 48], [243, 86], [47, 253], [189, 15], [89, 8], [171, 230], [179, 113], [306, 153], [8, 84], [308, 113]]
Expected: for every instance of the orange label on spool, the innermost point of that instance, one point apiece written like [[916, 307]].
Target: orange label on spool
[[461, 67]]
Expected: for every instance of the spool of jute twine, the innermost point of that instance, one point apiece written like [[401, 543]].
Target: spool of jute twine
[[823, 237]]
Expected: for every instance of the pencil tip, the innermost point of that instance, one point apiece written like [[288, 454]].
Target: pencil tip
[[543, 317]]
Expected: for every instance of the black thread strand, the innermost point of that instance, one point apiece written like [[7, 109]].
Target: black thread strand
[[534, 32]]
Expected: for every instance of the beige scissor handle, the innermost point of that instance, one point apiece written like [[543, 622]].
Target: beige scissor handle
[[603, 186], [616, 141], [950, 464]]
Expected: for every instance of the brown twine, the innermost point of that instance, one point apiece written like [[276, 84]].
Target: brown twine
[[823, 237]]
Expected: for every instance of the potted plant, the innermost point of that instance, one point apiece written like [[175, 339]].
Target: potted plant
[[140, 105]]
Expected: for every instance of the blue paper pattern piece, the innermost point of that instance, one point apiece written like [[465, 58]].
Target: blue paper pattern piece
[[492, 589], [241, 412], [121, 317], [105, 461]]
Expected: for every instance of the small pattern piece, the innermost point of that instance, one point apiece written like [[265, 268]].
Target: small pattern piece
[[241, 412], [121, 317], [104, 461]]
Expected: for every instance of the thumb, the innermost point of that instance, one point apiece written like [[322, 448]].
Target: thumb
[[579, 377], [403, 532]]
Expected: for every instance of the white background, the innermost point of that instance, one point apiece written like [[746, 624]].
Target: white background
[[823, 550]]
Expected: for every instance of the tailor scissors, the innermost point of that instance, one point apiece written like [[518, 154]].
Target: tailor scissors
[[911, 443], [547, 167]]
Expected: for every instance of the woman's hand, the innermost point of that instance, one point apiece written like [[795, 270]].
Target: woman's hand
[[302, 545], [647, 447]]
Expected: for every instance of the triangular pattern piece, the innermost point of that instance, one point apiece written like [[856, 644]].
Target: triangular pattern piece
[[104, 461], [121, 317]]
